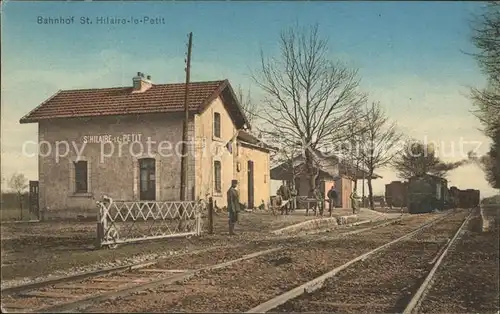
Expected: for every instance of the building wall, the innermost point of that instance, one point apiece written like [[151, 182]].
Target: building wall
[[212, 149], [302, 185], [115, 175], [262, 183]]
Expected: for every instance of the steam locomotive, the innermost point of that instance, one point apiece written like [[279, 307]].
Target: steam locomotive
[[426, 193]]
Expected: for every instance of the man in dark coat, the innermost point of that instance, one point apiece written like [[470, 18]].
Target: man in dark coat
[[293, 198], [284, 193], [320, 200], [354, 201], [233, 205], [332, 198]]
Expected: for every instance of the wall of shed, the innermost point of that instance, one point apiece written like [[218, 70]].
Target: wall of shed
[[343, 186]]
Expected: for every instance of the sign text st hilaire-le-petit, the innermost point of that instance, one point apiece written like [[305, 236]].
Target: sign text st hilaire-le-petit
[[106, 138]]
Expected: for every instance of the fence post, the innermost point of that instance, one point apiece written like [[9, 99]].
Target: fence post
[[100, 227], [210, 215]]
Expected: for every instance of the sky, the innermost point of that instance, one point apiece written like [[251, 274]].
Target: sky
[[410, 57]]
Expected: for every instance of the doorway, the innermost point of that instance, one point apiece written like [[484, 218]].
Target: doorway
[[251, 200], [147, 184], [34, 199]]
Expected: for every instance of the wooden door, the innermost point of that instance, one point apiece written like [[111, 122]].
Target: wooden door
[[33, 198]]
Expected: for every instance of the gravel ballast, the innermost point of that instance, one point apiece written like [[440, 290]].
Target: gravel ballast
[[467, 281], [251, 282], [383, 283]]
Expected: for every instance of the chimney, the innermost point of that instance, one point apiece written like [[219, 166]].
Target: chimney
[[140, 84]]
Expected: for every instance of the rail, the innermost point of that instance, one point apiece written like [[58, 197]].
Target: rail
[[424, 288], [317, 283]]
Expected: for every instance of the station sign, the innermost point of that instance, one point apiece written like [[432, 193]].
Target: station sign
[[108, 138]]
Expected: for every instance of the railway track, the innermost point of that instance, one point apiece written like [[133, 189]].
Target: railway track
[[79, 290], [8, 288], [393, 282], [82, 291], [241, 286], [73, 293], [471, 266]]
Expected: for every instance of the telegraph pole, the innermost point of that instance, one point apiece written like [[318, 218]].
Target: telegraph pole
[[184, 159]]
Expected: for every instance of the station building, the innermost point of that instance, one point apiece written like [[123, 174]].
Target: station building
[[125, 142]]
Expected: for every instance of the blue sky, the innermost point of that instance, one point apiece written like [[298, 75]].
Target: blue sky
[[408, 55]]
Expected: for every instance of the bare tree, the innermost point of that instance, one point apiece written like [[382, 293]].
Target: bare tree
[[486, 37], [247, 104], [490, 162], [308, 97], [418, 159], [350, 148], [380, 137], [287, 155], [18, 183]]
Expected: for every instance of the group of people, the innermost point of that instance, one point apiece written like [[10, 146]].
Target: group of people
[[287, 196], [288, 202]]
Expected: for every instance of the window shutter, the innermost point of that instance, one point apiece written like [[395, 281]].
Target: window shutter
[[216, 125], [217, 170], [214, 178], [158, 178], [72, 183], [211, 189], [135, 166], [89, 176]]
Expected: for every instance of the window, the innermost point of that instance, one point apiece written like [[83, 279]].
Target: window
[[81, 184], [217, 124], [217, 177], [147, 177]]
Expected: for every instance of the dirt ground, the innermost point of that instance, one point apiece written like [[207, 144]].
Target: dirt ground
[[14, 214], [383, 283], [247, 284], [38, 249]]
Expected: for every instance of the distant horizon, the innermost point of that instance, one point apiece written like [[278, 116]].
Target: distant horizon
[[410, 57]]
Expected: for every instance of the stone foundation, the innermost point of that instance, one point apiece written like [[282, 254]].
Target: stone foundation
[[308, 225]]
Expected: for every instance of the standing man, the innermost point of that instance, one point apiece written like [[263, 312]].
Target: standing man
[[332, 198], [320, 200], [284, 193], [293, 194], [233, 205], [354, 201]]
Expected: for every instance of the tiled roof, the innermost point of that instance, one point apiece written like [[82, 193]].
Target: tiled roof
[[249, 138], [121, 101], [326, 164]]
